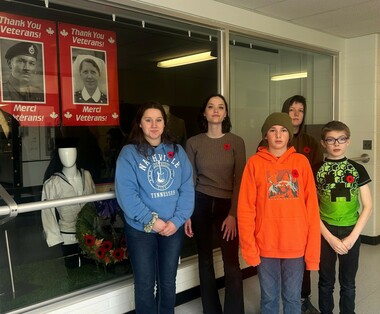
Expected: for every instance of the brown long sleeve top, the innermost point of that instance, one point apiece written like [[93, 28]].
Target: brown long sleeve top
[[218, 165]]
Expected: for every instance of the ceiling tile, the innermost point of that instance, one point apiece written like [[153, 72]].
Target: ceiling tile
[[343, 18]]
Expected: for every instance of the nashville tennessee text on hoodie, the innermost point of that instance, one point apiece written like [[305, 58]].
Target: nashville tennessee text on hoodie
[[161, 182]]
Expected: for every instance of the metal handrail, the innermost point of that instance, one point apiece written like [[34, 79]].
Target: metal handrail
[[10, 211], [12, 205]]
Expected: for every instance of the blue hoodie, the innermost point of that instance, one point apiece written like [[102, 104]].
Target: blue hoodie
[[161, 183]]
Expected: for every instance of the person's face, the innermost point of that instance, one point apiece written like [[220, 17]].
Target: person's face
[[152, 125], [296, 112], [89, 75], [215, 110], [334, 149], [277, 138], [23, 68]]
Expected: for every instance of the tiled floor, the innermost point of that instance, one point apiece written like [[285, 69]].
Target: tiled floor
[[367, 288]]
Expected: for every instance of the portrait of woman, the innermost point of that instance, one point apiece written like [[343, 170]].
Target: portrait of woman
[[90, 80]]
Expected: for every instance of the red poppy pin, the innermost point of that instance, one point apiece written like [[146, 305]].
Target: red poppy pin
[[170, 154], [227, 146], [306, 149], [350, 179], [295, 173]]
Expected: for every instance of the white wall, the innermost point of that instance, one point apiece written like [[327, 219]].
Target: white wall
[[359, 100]]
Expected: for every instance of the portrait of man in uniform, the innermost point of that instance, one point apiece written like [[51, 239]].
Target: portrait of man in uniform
[[19, 74]]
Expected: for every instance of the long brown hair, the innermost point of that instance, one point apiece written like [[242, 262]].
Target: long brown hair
[[137, 137]]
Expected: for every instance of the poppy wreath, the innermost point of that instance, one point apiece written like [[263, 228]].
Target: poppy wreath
[[100, 232]]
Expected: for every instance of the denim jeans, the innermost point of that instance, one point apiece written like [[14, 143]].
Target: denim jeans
[[154, 260], [285, 274], [348, 267], [210, 213]]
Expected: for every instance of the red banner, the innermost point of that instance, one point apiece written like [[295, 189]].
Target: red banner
[[29, 84], [88, 69]]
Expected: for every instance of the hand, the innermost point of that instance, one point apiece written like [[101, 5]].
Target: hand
[[229, 228], [169, 229], [338, 246], [188, 228], [349, 242], [159, 225]]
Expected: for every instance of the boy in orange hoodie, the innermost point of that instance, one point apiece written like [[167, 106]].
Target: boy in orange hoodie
[[278, 217]]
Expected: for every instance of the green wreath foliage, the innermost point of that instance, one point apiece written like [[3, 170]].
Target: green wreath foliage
[[101, 238]]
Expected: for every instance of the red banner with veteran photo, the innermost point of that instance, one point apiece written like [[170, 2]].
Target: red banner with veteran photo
[[88, 69], [29, 83]]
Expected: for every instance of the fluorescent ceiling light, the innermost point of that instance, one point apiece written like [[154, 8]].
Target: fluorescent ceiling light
[[289, 76], [198, 57]]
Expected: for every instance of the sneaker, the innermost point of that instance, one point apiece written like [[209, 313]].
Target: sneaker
[[307, 307]]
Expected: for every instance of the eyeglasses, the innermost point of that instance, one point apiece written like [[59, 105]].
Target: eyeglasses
[[332, 141]]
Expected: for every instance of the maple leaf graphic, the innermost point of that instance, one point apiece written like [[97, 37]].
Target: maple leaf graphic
[[54, 115], [68, 115], [50, 31]]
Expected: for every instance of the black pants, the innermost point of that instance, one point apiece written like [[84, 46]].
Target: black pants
[[71, 255], [306, 284], [210, 213]]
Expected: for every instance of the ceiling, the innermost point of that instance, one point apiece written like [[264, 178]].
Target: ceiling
[[343, 18]]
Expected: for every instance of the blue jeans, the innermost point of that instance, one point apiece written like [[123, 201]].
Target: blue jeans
[[285, 274], [348, 267], [154, 260], [210, 213]]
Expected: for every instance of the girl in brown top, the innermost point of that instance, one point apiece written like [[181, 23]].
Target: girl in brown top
[[218, 159]]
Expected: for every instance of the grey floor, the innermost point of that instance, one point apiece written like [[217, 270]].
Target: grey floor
[[367, 288]]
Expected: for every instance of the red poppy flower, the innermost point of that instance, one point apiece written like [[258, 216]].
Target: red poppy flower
[[118, 254], [170, 154], [100, 253], [227, 146], [107, 245], [350, 179], [306, 150], [89, 239], [295, 173]]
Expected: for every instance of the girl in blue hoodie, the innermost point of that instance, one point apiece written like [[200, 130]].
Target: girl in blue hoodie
[[155, 189]]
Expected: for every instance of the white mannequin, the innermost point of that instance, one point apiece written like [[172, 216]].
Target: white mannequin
[[68, 157], [69, 182]]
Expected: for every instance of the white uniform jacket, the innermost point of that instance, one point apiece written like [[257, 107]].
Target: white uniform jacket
[[57, 187]]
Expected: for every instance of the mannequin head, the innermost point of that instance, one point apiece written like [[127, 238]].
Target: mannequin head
[[68, 156]]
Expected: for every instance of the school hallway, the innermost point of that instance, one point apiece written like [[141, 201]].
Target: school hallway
[[367, 288]]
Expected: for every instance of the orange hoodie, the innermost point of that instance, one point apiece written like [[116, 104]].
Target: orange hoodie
[[278, 214]]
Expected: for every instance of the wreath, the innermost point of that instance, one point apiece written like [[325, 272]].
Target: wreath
[[100, 232]]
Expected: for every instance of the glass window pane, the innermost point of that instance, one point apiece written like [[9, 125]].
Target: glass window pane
[[254, 95], [28, 154]]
